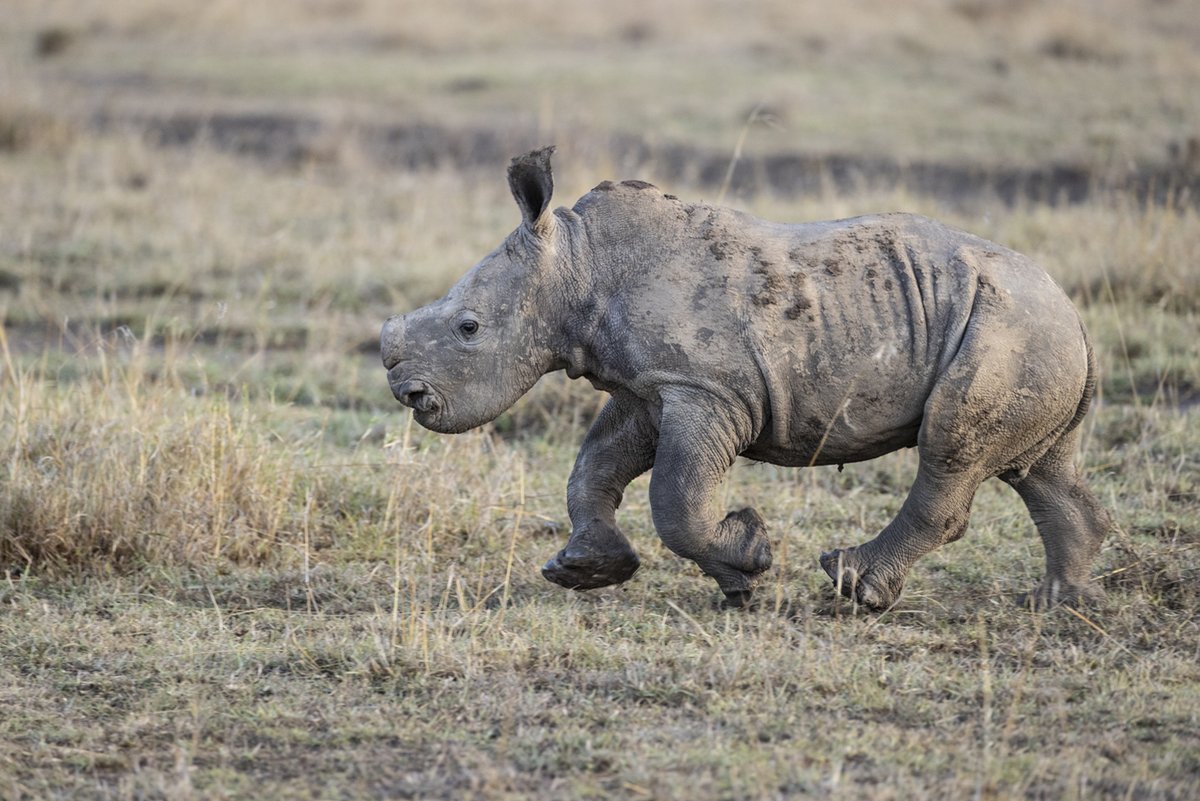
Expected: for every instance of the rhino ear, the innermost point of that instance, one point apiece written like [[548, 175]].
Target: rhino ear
[[532, 184]]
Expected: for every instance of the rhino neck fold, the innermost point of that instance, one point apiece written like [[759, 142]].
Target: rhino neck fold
[[577, 291]]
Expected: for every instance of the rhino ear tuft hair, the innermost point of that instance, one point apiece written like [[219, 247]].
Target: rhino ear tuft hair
[[532, 184]]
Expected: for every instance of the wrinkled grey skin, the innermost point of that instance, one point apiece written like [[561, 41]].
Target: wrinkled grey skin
[[719, 335]]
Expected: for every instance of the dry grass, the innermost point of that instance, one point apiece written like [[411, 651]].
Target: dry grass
[[427, 659], [230, 567], [234, 570]]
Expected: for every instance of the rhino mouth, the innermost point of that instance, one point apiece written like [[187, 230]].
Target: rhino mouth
[[418, 396]]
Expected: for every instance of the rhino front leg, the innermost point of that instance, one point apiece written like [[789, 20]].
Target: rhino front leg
[[698, 442], [619, 447]]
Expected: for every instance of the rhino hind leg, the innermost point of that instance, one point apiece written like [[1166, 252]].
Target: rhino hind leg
[[979, 422], [1071, 522], [934, 513]]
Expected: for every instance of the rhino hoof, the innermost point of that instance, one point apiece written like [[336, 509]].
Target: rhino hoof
[[856, 581], [737, 599], [582, 570]]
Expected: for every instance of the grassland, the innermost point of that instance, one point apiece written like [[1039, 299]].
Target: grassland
[[231, 566]]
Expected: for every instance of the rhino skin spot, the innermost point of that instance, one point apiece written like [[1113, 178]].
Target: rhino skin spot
[[832, 267], [799, 306], [891, 254], [887, 284], [636, 184], [993, 294], [719, 250], [800, 300], [705, 334], [954, 528], [604, 186], [871, 273], [806, 262], [670, 197], [771, 285]]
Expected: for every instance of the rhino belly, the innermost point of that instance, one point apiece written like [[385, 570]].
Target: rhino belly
[[859, 431]]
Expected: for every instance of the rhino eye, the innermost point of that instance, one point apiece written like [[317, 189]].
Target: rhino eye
[[468, 328]]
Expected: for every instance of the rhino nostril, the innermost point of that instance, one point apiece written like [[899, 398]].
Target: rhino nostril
[[409, 391]]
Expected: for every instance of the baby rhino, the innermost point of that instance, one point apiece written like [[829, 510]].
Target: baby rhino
[[720, 335]]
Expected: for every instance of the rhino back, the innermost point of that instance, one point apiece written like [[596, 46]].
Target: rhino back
[[830, 335]]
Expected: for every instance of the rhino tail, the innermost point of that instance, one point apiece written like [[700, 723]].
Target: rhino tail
[[1089, 384]]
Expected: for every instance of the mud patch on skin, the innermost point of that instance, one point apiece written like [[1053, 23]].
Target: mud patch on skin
[[765, 294], [800, 302], [636, 184], [953, 529], [798, 308], [990, 292], [709, 294], [768, 283], [719, 250]]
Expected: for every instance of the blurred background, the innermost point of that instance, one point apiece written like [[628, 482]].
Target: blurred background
[[1103, 87]]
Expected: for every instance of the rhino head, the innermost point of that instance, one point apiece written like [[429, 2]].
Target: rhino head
[[464, 359]]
